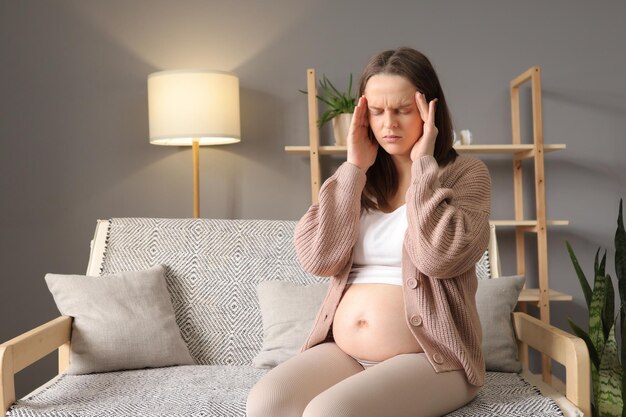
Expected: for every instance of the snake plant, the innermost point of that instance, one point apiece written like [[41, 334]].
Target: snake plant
[[608, 360]]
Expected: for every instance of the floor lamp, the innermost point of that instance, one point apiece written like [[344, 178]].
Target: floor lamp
[[193, 108]]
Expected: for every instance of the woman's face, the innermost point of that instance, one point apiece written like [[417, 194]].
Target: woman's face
[[392, 113]]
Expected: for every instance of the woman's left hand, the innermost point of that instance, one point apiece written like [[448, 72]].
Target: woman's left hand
[[426, 144]]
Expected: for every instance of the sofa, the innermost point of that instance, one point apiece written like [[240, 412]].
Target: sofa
[[214, 269]]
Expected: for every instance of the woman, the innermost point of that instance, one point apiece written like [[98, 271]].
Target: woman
[[399, 227]]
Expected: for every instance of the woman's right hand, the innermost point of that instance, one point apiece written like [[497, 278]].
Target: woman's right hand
[[361, 150]]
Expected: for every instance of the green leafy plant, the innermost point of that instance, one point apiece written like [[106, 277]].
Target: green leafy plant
[[337, 101], [608, 361]]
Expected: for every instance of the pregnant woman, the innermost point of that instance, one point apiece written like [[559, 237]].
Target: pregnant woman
[[399, 228]]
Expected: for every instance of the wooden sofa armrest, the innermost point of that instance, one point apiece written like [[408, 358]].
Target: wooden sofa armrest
[[28, 348], [565, 348]]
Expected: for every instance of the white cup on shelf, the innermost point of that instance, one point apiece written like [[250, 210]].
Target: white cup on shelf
[[466, 137]]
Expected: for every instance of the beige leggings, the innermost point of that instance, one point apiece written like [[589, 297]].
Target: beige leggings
[[324, 381]]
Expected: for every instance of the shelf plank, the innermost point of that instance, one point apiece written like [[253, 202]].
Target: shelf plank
[[470, 149], [506, 148], [324, 150], [529, 223], [532, 295]]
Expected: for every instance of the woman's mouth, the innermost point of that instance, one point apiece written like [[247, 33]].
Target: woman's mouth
[[391, 138]]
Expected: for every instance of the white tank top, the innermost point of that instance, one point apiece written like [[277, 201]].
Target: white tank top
[[378, 250]]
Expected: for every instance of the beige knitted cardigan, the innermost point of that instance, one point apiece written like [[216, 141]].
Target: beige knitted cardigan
[[448, 212]]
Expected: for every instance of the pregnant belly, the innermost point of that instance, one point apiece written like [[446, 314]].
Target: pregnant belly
[[370, 323]]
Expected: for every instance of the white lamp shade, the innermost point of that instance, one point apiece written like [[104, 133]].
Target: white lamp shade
[[184, 106]]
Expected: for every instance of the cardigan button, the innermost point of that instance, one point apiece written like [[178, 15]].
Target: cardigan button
[[412, 283], [437, 358], [416, 320]]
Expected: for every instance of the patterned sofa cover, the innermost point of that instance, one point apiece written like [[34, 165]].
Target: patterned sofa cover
[[213, 267]]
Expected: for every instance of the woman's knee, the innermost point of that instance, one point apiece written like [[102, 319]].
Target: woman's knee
[[329, 405], [269, 398], [286, 389]]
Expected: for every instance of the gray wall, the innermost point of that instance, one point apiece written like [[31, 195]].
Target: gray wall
[[74, 127]]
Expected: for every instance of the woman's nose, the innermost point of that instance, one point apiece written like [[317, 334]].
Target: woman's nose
[[390, 120]]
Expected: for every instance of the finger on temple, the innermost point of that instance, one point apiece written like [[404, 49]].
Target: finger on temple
[[358, 111], [431, 116], [419, 108], [420, 103], [363, 108]]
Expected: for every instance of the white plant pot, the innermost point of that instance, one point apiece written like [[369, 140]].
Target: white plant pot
[[341, 126]]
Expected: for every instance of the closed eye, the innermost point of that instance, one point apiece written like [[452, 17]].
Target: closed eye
[[376, 112], [401, 110]]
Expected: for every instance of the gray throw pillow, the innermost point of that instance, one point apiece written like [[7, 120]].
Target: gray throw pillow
[[495, 300], [287, 310], [121, 321]]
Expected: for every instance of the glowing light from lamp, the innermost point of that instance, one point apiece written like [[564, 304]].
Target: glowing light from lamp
[[187, 106]]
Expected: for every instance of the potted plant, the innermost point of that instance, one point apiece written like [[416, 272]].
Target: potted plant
[[607, 373], [340, 107]]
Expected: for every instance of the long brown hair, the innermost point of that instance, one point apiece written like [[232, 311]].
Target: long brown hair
[[382, 177]]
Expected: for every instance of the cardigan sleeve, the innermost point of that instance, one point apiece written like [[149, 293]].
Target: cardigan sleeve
[[325, 235], [448, 227]]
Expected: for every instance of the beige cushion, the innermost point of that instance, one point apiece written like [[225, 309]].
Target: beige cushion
[[121, 321], [495, 300], [288, 311]]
